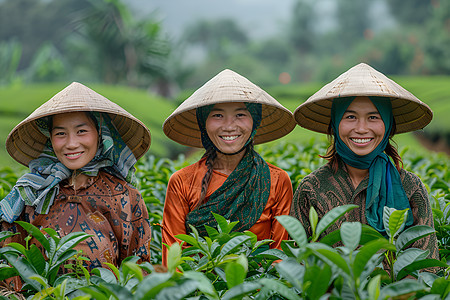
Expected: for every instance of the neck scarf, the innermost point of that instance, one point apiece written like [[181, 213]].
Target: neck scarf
[[385, 187], [40, 187], [244, 194]]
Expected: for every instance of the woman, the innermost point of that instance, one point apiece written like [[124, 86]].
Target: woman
[[81, 149], [227, 116], [361, 110]]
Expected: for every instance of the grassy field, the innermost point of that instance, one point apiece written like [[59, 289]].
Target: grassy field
[[17, 102]]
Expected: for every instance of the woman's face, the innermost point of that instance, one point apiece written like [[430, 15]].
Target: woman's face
[[229, 126], [74, 139], [361, 127]]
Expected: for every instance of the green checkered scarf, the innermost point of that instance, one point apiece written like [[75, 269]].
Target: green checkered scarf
[[244, 194]]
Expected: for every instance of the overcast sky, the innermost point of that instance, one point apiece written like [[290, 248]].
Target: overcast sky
[[259, 18]]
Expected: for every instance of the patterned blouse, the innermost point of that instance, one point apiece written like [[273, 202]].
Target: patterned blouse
[[324, 189], [110, 209]]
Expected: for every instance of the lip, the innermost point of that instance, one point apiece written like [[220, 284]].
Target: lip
[[229, 138], [361, 141], [73, 155]]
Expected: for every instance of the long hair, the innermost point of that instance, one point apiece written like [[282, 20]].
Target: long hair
[[390, 150], [211, 156]]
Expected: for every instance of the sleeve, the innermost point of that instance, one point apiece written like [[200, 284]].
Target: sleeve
[[139, 228], [176, 208], [284, 192], [423, 215], [301, 205]]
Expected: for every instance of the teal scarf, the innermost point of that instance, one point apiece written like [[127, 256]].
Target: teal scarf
[[244, 194], [385, 187], [40, 187]]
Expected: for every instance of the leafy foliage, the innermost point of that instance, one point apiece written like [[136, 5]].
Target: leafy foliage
[[354, 262]]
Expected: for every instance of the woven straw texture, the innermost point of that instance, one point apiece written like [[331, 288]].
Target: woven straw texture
[[362, 80], [228, 86], [25, 142]]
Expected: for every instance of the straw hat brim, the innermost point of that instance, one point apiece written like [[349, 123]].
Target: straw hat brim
[[26, 142], [362, 80], [227, 87]]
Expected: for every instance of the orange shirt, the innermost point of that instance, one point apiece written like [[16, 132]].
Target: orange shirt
[[183, 193]]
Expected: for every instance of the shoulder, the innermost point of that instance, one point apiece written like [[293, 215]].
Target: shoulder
[[411, 182], [324, 173], [187, 173], [277, 173], [115, 183]]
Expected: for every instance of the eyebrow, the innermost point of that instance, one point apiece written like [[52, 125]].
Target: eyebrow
[[237, 109], [77, 126], [370, 113]]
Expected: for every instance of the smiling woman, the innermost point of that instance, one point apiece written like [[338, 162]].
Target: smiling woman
[[226, 116], [81, 159], [361, 110]]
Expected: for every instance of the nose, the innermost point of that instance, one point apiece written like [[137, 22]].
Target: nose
[[229, 124], [72, 141], [361, 126]]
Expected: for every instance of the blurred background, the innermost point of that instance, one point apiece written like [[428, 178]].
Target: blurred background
[[148, 56]]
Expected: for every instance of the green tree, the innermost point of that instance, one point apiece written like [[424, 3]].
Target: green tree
[[301, 29], [412, 12], [219, 38]]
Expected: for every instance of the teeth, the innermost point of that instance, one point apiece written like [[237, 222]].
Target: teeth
[[73, 155], [361, 141], [229, 138]]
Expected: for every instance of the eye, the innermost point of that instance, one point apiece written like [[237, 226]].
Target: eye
[[59, 133], [216, 115], [349, 116], [374, 117], [82, 131]]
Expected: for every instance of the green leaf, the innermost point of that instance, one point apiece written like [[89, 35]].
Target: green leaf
[[36, 233], [319, 287], [105, 274], [173, 257], [366, 252], [291, 271], [403, 287], [204, 285], [133, 268], [441, 287], [332, 216], [295, 229], [68, 242], [35, 257], [407, 257], [351, 234], [6, 234], [394, 220], [188, 239], [25, 270], [180, 291], [234, 274], [412, 234], [330, 256], [232, 244], [244, 289], [280, 288], [313, 219], [419, 265], [222, 223], [7, 272], [272, 254], [373, 287]]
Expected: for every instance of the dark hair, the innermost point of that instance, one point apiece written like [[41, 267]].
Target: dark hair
[[211, 155], [391, 150]]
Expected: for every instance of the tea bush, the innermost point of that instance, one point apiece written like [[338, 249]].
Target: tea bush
[[234, 265]]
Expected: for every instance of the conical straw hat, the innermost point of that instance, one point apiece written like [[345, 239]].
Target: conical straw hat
[[26, 142], [362, 80], [228, 86]]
